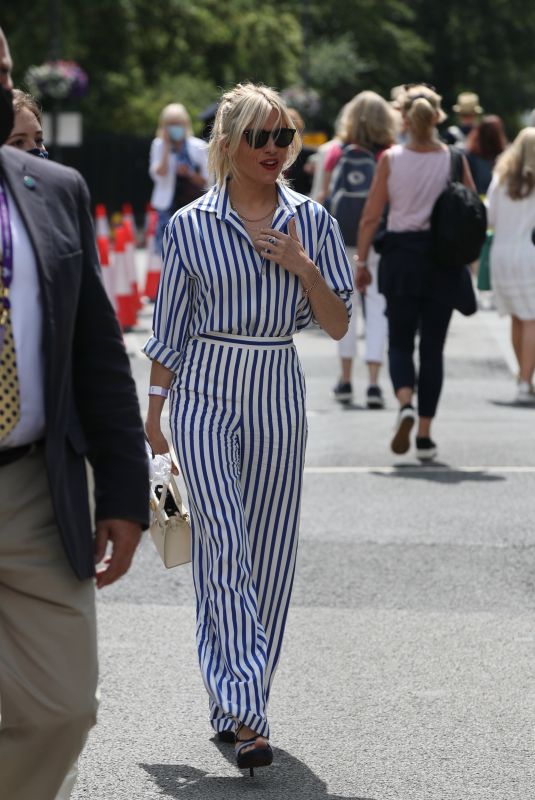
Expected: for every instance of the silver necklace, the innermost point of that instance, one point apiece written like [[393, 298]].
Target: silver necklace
[[261, 219]]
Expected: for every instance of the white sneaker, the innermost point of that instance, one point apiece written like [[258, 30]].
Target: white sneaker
[[524, 393], [402, 441]]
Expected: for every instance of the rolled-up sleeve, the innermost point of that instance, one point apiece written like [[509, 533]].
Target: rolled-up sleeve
[[172, 312], [334, 265], [335, 269]]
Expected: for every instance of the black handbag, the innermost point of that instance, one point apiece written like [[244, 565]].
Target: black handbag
[[458, 221]]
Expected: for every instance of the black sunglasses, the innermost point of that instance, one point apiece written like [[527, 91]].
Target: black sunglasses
[[283, 137]]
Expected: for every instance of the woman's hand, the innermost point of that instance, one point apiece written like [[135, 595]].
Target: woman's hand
[[183, 171], [284, 249], [164, 134], [363, 279], [157, 441]]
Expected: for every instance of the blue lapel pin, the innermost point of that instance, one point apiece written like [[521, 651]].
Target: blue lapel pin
[[29, 182]]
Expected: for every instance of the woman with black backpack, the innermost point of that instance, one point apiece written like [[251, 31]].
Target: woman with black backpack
[[367, 129], [420, 293]]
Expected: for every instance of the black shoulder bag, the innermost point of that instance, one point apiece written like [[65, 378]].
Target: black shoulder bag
[[458, 221]]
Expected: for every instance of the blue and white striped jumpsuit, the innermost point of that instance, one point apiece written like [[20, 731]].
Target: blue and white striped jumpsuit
[[223, 322]]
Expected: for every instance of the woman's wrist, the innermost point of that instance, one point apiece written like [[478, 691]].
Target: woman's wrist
[[153, 423], [307, 273]]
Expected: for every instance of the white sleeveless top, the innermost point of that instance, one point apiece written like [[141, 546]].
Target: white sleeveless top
[[415, 181]]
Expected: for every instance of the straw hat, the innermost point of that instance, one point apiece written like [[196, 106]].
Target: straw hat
[[467, 104]]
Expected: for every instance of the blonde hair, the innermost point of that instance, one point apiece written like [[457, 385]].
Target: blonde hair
[[516, 166], [246, 107], [368, 120], [422, 110], [174, 113]]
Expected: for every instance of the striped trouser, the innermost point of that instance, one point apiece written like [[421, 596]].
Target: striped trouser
[[239, 430]]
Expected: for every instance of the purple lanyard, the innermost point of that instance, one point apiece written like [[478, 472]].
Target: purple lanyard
[[7, 255]]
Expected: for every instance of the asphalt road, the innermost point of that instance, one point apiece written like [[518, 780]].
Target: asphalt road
[[408, 667]]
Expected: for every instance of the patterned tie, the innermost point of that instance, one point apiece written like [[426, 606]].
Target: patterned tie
[[9, 382]]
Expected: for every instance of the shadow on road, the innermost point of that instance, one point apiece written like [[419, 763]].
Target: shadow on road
[[512, 404], [288, 777], [439, 473]]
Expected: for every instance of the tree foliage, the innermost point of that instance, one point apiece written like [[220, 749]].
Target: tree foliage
[[141, 54]]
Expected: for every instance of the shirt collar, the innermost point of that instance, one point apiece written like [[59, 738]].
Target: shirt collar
[[217, 200]]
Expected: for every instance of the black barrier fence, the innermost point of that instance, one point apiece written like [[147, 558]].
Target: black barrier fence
[[115, 167]]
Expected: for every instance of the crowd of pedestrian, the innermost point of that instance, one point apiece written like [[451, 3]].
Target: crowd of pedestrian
[[415, 298], [377, 158]]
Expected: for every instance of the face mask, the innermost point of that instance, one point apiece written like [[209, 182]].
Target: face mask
[[35, 151], [177, 132], [7, 115]]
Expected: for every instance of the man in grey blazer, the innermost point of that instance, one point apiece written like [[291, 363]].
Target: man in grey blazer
[[66, 394]]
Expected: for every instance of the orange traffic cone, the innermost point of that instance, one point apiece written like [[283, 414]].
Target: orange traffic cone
[[128, 216], [102, 226], [126, 310], [131, 261], [154, 260], [103, 245]]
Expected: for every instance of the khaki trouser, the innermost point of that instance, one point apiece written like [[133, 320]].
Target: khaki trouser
[[48, 658]]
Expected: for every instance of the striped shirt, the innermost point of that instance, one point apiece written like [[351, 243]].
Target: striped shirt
[[214, 281]]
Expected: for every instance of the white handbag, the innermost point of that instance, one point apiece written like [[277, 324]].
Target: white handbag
[[170, 526]]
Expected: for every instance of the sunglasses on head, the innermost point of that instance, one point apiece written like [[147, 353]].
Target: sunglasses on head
[[283, 137]]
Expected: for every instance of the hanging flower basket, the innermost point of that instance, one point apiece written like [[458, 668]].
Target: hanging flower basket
[[57, 80]]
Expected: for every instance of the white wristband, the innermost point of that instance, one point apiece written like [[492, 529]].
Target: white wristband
[[160, 391]]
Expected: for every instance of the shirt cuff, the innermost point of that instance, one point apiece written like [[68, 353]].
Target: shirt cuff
[[157, 351]]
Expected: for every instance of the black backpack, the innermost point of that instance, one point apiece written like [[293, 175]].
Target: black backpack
[[458, 221], [349, 188]]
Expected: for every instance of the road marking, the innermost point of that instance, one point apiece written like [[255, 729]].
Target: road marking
[[393, 470]]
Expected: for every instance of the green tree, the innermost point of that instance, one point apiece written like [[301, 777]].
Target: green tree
[[141, 54], [484, 46]]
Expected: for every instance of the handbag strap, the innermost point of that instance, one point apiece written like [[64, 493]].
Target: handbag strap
[[456, 165]]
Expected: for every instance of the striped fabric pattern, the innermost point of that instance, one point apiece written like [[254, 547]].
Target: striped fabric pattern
[[214, 280], [239, 430], [223, 322]]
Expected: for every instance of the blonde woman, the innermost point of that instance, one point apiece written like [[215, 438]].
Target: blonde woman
[[246, 267], [367, 129], [419, 297], [178, 165], [511, 207]]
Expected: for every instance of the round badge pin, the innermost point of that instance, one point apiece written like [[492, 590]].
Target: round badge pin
[[29, 182]]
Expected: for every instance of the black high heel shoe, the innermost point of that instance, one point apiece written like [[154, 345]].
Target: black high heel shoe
[[255, 757]]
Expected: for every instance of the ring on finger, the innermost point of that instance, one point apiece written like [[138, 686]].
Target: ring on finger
[[272, 240]]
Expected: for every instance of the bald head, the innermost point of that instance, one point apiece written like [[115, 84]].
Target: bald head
[[6, 64]]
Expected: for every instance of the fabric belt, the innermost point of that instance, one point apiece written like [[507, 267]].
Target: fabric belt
[[235, 340], [12, 454]]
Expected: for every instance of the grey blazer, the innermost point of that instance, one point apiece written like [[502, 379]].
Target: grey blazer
[[91, 404]]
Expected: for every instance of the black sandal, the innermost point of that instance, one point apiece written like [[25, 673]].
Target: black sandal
[[255, 757]]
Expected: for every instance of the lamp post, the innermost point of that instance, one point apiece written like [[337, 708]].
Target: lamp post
[[55, 54]]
